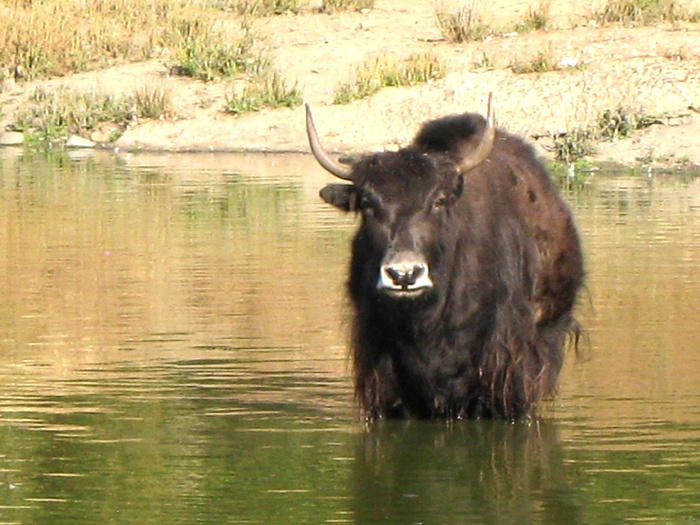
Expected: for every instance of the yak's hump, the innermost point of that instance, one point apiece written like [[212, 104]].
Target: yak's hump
[[448, 134]]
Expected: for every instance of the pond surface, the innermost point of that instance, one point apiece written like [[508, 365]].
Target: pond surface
[[173, 350]]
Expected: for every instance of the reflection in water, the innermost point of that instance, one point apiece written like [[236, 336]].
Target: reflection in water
[[490, 472], [173, 349]]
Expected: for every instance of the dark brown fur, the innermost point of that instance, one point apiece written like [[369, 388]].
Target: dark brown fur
[[487, 340]]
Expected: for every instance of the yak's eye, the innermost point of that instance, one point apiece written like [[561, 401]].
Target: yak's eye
[[440, 203]]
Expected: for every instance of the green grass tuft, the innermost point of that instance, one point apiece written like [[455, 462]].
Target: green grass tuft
[[331, 6], [388, 71], [54, 115], [266, 90]]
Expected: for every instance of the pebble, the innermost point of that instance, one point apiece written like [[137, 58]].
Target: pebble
[[11, 138], [76, 141]]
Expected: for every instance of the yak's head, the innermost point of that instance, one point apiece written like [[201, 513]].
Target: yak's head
[[405, 199]]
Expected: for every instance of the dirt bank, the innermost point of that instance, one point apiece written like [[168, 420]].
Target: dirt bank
[[655, 70]]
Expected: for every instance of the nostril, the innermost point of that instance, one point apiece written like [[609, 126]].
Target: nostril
[[405, 275], [404, 272]]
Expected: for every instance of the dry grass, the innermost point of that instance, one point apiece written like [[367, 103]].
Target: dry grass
[[463, 24], [42, 39], [60, 37]]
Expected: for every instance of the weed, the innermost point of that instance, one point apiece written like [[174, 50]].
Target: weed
[[643, 12], [484, 61], [543, 62], [154, 101], [387, 71], [266, 90], [536, 20], [676, 55], [331, 6], [461, 25], [574, 145]]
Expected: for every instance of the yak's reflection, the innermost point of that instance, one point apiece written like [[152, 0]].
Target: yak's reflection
[[464, 472]]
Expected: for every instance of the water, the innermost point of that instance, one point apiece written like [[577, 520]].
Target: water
[[173, 350]]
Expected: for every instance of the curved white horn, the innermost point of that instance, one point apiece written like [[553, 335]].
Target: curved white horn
[[484, 148], [325, 160]]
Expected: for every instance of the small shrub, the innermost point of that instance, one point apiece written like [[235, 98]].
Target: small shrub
[[331, 6], [154, 101], [461, 25], [621, 122], [267, 90], [574, 145]]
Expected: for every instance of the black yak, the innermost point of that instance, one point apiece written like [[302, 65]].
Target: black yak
[[464, 273]]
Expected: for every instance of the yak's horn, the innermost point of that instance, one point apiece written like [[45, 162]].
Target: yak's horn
[[482, 151], [325, 160]]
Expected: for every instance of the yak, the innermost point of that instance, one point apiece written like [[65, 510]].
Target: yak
[[463, 276]]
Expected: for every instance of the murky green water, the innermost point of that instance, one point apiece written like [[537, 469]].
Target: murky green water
[[173, 350]]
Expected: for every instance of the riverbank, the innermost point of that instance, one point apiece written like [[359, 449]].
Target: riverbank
[[648, 72]]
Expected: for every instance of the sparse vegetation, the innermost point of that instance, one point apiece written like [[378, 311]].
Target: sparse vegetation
[[610, 124], [464, 24], [644, 12], [388, 71], [203, 55], [543, 62], [267, 90], [258, 7], [54, 115], [330, 6]]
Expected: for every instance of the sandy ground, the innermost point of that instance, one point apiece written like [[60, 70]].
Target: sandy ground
[[652, 69]]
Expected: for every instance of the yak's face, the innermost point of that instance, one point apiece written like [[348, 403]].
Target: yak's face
[[405, 200]]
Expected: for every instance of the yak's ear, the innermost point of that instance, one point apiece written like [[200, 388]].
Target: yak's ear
[[343, 196]]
